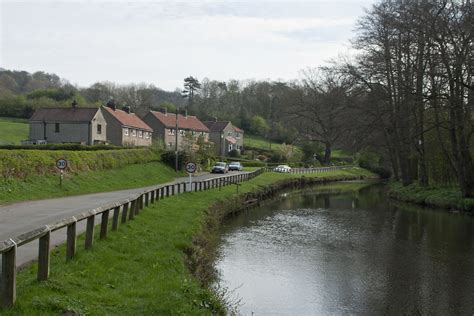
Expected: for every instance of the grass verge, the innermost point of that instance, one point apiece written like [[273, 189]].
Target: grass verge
[[75, 183], [144, 268], [13, 131], [434, 196]]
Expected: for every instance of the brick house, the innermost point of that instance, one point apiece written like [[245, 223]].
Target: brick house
[[68, 125], [225, 136], [125, 128], [164, 128]]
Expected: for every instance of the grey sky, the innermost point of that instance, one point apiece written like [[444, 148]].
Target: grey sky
[[161, 42]]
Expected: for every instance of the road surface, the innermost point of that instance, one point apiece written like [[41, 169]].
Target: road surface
[[18, 218]]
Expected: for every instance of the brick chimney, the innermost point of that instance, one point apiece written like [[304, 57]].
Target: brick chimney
[[111, 104]]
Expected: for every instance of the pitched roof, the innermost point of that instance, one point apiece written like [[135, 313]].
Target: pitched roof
[[218, 126], [64, 114], [189, 122], [128, 119]]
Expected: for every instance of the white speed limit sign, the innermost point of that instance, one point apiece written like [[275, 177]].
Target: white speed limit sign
[[190, 167], [61, 163]]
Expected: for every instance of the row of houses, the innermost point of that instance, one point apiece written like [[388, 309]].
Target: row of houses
[[120, 127]]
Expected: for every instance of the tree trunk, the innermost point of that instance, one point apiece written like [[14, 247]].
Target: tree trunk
[[327, 153]]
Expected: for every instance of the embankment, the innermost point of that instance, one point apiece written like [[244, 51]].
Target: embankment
[[448, 198]]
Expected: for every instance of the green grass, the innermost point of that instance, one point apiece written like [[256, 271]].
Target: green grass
[[447, 197], [12, 131], [262, 143], [141, 269], [47, 186]]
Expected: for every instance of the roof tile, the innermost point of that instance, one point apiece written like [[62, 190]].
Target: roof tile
[[128, 119], [189, 122]]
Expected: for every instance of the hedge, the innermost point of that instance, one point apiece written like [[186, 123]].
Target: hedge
[[24, 163]]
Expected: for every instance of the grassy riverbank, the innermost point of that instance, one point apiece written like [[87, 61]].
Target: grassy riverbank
[[142, 269], [47, 186], [434, 196]]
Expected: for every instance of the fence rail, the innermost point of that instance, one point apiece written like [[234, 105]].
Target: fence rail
[[121, 211], [311, 170]]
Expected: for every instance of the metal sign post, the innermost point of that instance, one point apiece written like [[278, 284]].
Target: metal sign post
[[61, 164], [190, 168]]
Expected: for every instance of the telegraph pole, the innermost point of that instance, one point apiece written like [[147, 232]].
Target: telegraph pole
[[176, 141]]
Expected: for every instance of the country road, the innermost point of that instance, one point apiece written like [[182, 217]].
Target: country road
[[21, 217]]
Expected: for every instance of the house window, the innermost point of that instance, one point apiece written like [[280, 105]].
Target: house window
[[140, 134], [182, 132], [147, 135], [170, 131], [99, 129], [202, 133], [134, 133], [170, 145], [193, 133], [56, 127], [229, 133], [125, 131], [237, 135], [230, 147]]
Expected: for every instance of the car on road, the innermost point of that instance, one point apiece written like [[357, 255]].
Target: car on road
[[235, 165], [282, 168], [220, 167]]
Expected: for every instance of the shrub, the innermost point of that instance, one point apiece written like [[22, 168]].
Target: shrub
[[169, 158], [234, 153]]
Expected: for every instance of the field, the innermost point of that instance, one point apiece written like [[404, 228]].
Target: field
[[13, 131]]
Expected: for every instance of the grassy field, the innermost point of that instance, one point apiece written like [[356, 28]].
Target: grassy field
[[47, 186], [141, 269], [12, 131]]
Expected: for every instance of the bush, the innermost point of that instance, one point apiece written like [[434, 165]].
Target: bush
[[169, 158], [234, 153], [66, 147]]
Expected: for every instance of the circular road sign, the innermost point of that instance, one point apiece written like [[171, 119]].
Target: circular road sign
[[191, 167], [61, 163]]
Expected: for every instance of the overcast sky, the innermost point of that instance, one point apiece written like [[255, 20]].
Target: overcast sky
[[162, 42]]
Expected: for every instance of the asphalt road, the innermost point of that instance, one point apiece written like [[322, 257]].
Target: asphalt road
[[18, 218]]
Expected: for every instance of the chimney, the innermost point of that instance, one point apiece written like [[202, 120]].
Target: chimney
[[74, 104], [186, 114], [111, 104], [126, 109], [215, 118]]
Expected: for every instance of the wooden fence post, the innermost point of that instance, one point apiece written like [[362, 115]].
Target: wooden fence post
[[71, 241], [8, 288], [90, 232], [44, 256], [104, 224], [132, 210], [124, 212], [115, 220]]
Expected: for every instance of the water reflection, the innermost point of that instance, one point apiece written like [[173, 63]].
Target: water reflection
[[345, 249]]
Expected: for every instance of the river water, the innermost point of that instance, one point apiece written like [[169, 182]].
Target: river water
[[347, 249]]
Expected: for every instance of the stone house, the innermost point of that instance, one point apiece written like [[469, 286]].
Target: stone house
[[164, 128], [225, 136], [68, 125], [125, 128]]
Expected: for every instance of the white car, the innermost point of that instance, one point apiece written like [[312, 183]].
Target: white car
[[282, 168]]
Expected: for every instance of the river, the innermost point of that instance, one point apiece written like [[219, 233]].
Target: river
[[346, 249]]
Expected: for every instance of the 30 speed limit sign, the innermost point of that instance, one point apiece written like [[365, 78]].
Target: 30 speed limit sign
[[61, 163], [191, 167]]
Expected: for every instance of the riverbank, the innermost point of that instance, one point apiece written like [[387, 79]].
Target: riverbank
[[434, 196], [152, 265]]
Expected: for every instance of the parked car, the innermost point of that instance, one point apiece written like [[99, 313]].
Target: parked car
[[282, 168], [220, 167], [235, 165]]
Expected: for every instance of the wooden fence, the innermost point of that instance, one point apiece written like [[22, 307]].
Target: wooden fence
[[119, 212], [311, 170]]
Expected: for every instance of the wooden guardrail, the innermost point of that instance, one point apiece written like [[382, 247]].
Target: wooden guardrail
[[311, 170], [121, 211]]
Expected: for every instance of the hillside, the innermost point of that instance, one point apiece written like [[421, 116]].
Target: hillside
[[12, 131]]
